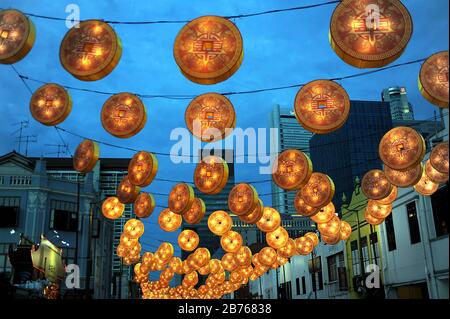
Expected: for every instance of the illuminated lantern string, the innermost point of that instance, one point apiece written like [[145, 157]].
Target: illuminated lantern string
[[277, 238], [267, 256], [50, 104], [228, 263], [301, 207], [433, 79], [426, 186], [390, 198], [196, 213], [331, 240], [201, 257], [345, 231], [90, 50], [215, 265], [243, 256], [304, 245], [288, 250], [371, 219], [169, 221], [127, 192], [211, 175], [375, 185], [209, 49], [254, 216], [378, 210], [325, 214], [134, 228], [188, 240], [165, 252], [144, 205], [368, 34], [242, 199], [231, 241], [219, 222], [112, 208], [322, 106], [434, 175], [313, 237], [181, 198], [406, 178], [142, 168], [292, 169], [319, 190], [439, 157], [270, 220], [17, 36], [331, 228], [86, 156]]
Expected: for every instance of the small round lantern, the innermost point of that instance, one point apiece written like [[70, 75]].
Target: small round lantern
[[176, 265], [434, 175], [319, 190], [304, 245], [128, 242], [202, 256], [301, 207], [402, 148], [313, 237], [372, 220], [219, 222], [345, 231], [144, 205], [209, 49], [134, 228], [331, 240], [325, 214], [112, 208], [228, 262], [378, 210], [288, 250], [181, 198], [375, 185], [292, 169], [390, 198], [90, 51], [277, 238], [439, 157], [188, 240], [121, 251], [147, 258], [406, 178], [165, 252], [142, 169], [255, 215], [322, 106], [243, 256], [50, 104], [169, 221], [242, 199], [267, 256], [17, 36], [215, 265], [86, 156], [127, 192], [270, 220], [433, 79], [368, 34], [205, 270], [196, 213], [231, 241], [426, 186], [211, 175], [331, 228]]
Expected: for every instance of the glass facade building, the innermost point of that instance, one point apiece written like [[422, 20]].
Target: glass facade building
[[397, 98]]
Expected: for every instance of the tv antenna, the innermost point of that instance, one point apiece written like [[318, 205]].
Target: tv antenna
[[60, 149], [23, 125], [27, 139]]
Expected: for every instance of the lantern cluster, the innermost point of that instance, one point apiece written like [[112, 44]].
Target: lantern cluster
[[129, 248], [244, 202]]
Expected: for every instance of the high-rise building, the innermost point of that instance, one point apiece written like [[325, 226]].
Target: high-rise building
[[397, 98]]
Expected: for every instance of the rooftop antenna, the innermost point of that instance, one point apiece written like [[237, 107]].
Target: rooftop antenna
[[27, 139], [61, 149], [23, 125]]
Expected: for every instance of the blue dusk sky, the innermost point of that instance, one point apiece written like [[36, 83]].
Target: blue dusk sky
[[280, 49]]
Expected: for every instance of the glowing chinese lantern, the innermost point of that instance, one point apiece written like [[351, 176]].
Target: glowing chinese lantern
[[345, 231], [375, 185], [90, 50], [426, 186], [142, 168], [301, 207], [372, 220], [292, 169], [127, 192], [17, 36], [175, 264], [319, 190], [255, 215], [439, 157], [201, 257], [236, 277], [147, 258], [164, 252], [406, 178], [181, 198], [330, 228], [196, 213], [304, 245], [246, 271], [123, 115], [243, 256], [127, 241], [50, 104], [402, 148], [190, 279], [322, 106], [186, 268], [134, 228], [188, 240], [267, 256], [231, 241], [228, 262], [288, 250], [205, 270], [433, 79], [378, 210], [369, 34], [390, 198], [209, 49], [112, 208], [215, 265], [86, 156], [242, 199], [270, 220], [313, 237], [330, 240], [434, 175], [211, 175], [121, 251], [219, 222], [169, 221], [325, 214], [210, 117], [281, 260], [144, 205], [277, 238]]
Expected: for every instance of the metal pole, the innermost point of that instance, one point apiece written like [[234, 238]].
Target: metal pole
[[313, 261], [89, 254], [278, 284], [285, 286], [260, 288], [361, 262]]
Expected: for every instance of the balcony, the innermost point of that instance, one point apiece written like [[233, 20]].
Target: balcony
[[15, 180]]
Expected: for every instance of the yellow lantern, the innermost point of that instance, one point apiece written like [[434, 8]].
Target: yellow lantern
[[267, 256], [175, 264], [375, 185], [378, 210], [165, 252], [255, 215], [331, 240], [236, 277], [134, 228], [127, 241], [325, 214], [169, 221], [228, 262], [196, 213], [211, 175], [277, 238], [433, 79], [406, 178], [219, 222], [372, 220], [439, 157], [304, 245], [142, 168], [190, 279], [201, 257], [231, 241], [434, 175], [288, 250], [188, 240], [112, 208], [330, 228], [346, 230], [215, 265], [127, 192], [121, 251], [51, 104], [391, 197], [243, 256], [242, 199], [205, 270], [319, 190], [270, 220], [292, 169], [86, 156], [181, 198], [144, 205], [301, 207], [147, 259], [313, 237], [426, 186]]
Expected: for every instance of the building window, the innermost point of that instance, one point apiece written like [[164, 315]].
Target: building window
[[297, 285], [356, 266], [439, 203], [68, 256], [303, 285], [365, 252], [414, 231], [63, 216], [334, 262], [390, 233], [9, 211], [5, 265], [374, 248]]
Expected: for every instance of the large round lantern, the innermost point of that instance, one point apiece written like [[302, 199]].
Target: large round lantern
[[426, 186], [301, 207], [86, 156], [210, 117], [123, 115], [292, 169], [433, 79], [288, 250], [188, 240], [345, 231], [322, 106], [277, 238], [402, 148], [325, 214], [165, 252], [181, 198], [169, 221], [372, 220], [196, 213], [112, 208], [378, 210], [17, 36], [144, 205], [313, 237], [434, 175], [142, 168], [50, 104], [330, 228], [243, 256], [231, 241], [319, 190], [215, 265], [175, 264], [228, 262], [242, 199], [390, 198], [267, 256], [331, 240], [304, 245], [370, 34], [255, 215], [211, 175], [406, 178], [439, 157], [270, 220], [127, 192], [209, 49], [128, 242], [147, 258], [134, 228], [375, 185], [90, 50], [219, 222], [202, 256]]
